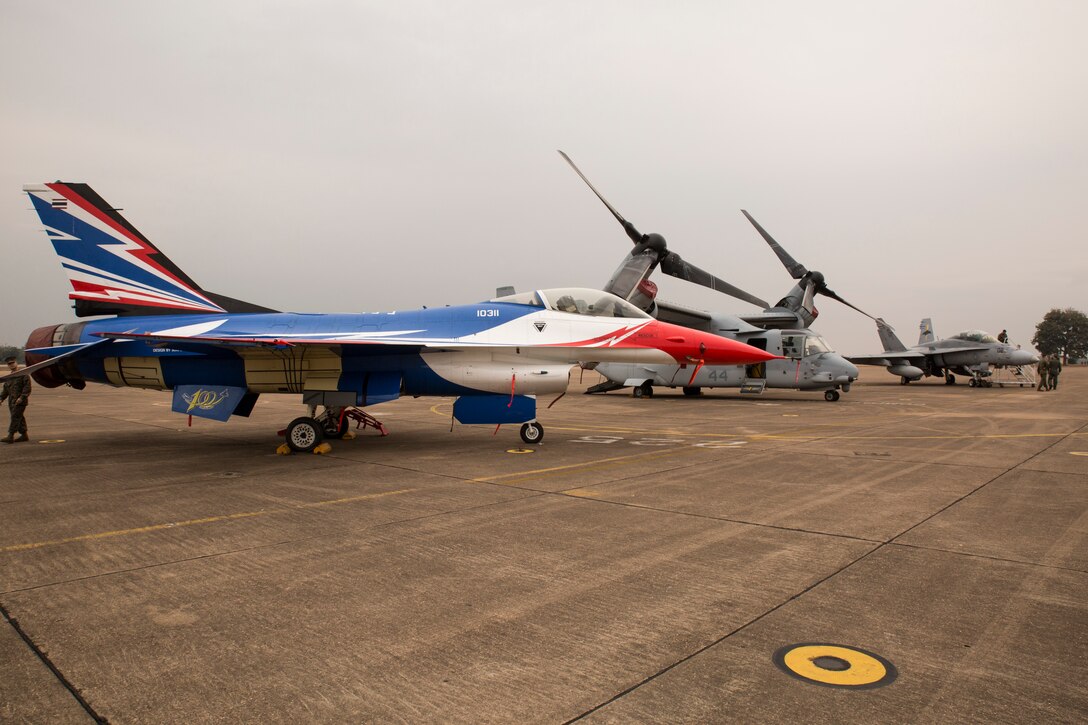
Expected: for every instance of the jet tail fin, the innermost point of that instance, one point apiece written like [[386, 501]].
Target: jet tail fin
[[925, 332], [888, 338], [112, 267]]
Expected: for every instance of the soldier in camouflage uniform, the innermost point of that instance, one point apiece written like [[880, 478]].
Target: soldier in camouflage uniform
[[1055, 370], [17, 393], [1043, 370]]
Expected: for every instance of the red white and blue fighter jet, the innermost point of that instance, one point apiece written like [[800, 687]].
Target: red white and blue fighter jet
[[217, 354]]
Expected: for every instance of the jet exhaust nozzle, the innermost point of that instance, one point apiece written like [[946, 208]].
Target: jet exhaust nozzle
[[66, 372]]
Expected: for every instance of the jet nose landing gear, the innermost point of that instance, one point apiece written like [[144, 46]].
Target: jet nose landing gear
[[532, 432]]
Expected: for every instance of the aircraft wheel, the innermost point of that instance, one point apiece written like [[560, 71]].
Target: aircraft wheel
[[972, 382], [532, 432], [333, 427], [950, 379], [693, 390], [304, 434], [644, 391], [904, 380], [831, 395]]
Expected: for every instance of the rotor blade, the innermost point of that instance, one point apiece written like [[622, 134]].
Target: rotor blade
[[832, 295], [795, 268], [627, 226], [674, 266]]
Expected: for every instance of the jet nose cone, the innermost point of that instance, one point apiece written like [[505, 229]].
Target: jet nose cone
[[687, 345], [1023, 357], [851, 369], [723, 351]]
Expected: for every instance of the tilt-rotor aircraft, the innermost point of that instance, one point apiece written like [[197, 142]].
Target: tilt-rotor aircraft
[[971, 353], [806, 361], [217, 354]]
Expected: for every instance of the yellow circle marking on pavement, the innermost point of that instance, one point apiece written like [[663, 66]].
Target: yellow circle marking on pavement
[[835, 665], [520, 450], [53, 440]]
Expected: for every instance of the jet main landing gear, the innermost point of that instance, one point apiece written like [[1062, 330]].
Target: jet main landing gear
[[305, 434]]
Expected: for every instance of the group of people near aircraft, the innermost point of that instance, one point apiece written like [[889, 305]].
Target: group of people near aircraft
[[155, 328], [1049, 368]]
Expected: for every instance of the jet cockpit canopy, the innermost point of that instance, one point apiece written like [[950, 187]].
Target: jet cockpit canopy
[[579, 301], [974, 336]]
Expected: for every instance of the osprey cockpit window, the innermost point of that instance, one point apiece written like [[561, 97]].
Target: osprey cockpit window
[[814, 345]]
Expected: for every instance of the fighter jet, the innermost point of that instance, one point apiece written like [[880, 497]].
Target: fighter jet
[[973, 353]]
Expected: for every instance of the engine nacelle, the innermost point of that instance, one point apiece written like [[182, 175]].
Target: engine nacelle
[[63, 373], [909, 372]]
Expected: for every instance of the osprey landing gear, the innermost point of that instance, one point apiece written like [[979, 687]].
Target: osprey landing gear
[[831, 395]]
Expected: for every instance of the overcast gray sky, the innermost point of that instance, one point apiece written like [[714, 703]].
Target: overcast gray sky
[[929, 157]]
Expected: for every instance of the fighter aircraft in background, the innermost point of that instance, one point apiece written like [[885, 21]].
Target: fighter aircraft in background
[[808, 361], [218, 354], [972, 353]]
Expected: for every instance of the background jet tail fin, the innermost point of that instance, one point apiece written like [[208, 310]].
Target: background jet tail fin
[[888, 339], [925, 331], [112, 267]]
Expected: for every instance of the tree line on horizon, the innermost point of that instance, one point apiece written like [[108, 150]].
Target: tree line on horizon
[[1064, 333]]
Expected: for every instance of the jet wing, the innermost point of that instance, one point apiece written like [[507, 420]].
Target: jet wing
[[198, 343], [941, 350], [884, 359]]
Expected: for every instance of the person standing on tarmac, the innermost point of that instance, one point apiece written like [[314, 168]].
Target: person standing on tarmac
[[17, 393], [1055, 370], [1043, 369]]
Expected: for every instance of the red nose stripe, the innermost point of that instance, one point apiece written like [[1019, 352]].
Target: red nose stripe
[[687, 345]]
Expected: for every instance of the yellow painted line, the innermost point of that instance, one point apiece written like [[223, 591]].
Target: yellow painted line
[[802, 436], [1078, 453], [588, 465], [195, 522]]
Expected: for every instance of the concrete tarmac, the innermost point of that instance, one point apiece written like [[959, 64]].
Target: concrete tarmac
[[644, 564]]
